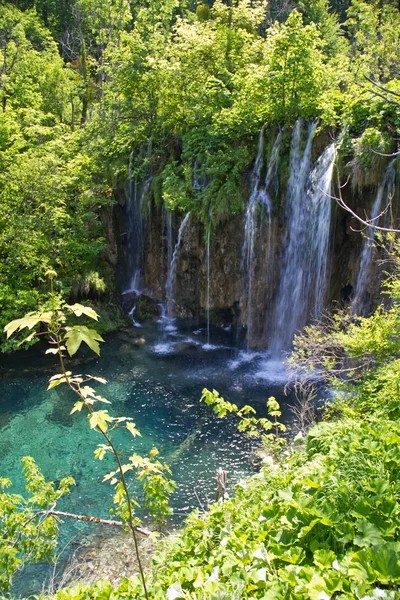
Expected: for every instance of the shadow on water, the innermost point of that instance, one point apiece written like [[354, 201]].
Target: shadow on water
[[161, 390]]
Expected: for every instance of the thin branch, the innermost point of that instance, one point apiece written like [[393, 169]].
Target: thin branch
[[368, 222], [381, 87], [117, 458], [375, 93], [383, 154], [89, 519]]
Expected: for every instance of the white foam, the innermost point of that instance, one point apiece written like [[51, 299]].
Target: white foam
[[209, 347], [244, 358], [272, 370], [163, 348]]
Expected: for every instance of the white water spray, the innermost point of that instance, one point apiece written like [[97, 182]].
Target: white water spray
[[259, 199], [302, 286], [171, 280], [360, 302]]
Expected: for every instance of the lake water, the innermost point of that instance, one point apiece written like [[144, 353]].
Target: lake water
[[155, 375]]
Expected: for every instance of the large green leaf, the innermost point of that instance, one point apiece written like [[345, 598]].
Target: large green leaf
[[79, 334], [29, 321]]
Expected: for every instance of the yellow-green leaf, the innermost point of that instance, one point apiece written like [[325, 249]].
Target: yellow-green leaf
[[99, 419], [79, 310], [99, 379], [77, 406], [55, 383], [109, 475], [79, 334], [131, 427], [100, 451]]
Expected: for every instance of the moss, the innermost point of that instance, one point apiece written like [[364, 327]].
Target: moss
[[146, 308], [156, 189]]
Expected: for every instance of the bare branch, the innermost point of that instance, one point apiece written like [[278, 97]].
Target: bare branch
[[381, 87], [89, 519], [383, 154], [366, 222]]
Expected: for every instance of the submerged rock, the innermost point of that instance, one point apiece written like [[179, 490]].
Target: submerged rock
[[107, 555]]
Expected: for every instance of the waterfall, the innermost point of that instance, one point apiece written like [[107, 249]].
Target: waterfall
[[169, 237], [269, 180], [319, 193], [166, 235], [208, 261], [360, 301], [136, 224], [304, 262], [171, 280], [258, 198]]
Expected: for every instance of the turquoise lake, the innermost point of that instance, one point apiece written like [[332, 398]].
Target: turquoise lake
[[156, 375]]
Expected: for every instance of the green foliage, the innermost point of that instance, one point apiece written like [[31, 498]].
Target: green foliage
[[371, 142], [198, 83], [325, 524], [27, 533], [250, 425], [154, 475], [203, 12]]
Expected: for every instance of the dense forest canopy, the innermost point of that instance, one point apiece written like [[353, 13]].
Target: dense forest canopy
[[86, 84]]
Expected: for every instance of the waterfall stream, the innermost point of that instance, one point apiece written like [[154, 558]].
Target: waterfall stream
[[360, 301], [171, 280], [304, 262], [319, 192], [208, 261], [259, 200], [136, 225]]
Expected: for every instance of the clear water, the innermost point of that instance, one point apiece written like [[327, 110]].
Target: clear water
[[159, 383]]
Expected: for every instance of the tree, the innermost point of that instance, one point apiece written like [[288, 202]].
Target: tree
[[294, 73]]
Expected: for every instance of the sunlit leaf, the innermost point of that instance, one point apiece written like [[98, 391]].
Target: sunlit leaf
[[99, 379], [79, 334], [131, 427], [99, 419], [79, 310]]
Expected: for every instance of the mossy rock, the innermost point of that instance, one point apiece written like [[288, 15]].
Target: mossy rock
[[146, 308]]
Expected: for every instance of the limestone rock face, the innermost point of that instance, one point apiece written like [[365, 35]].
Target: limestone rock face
[[211, 279], [228, 303]]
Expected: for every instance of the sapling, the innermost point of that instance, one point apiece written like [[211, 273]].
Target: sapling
[[66, 339], [265, 429]]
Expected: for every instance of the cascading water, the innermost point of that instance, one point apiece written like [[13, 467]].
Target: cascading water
[[208, 261], [319, 194], [136, 225], [166, 235], [360, 301], [169, 237], [304, 263], [259, 199], [171, 280]]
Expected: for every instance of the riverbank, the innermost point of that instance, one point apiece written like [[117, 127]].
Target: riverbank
[[322, 524]]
